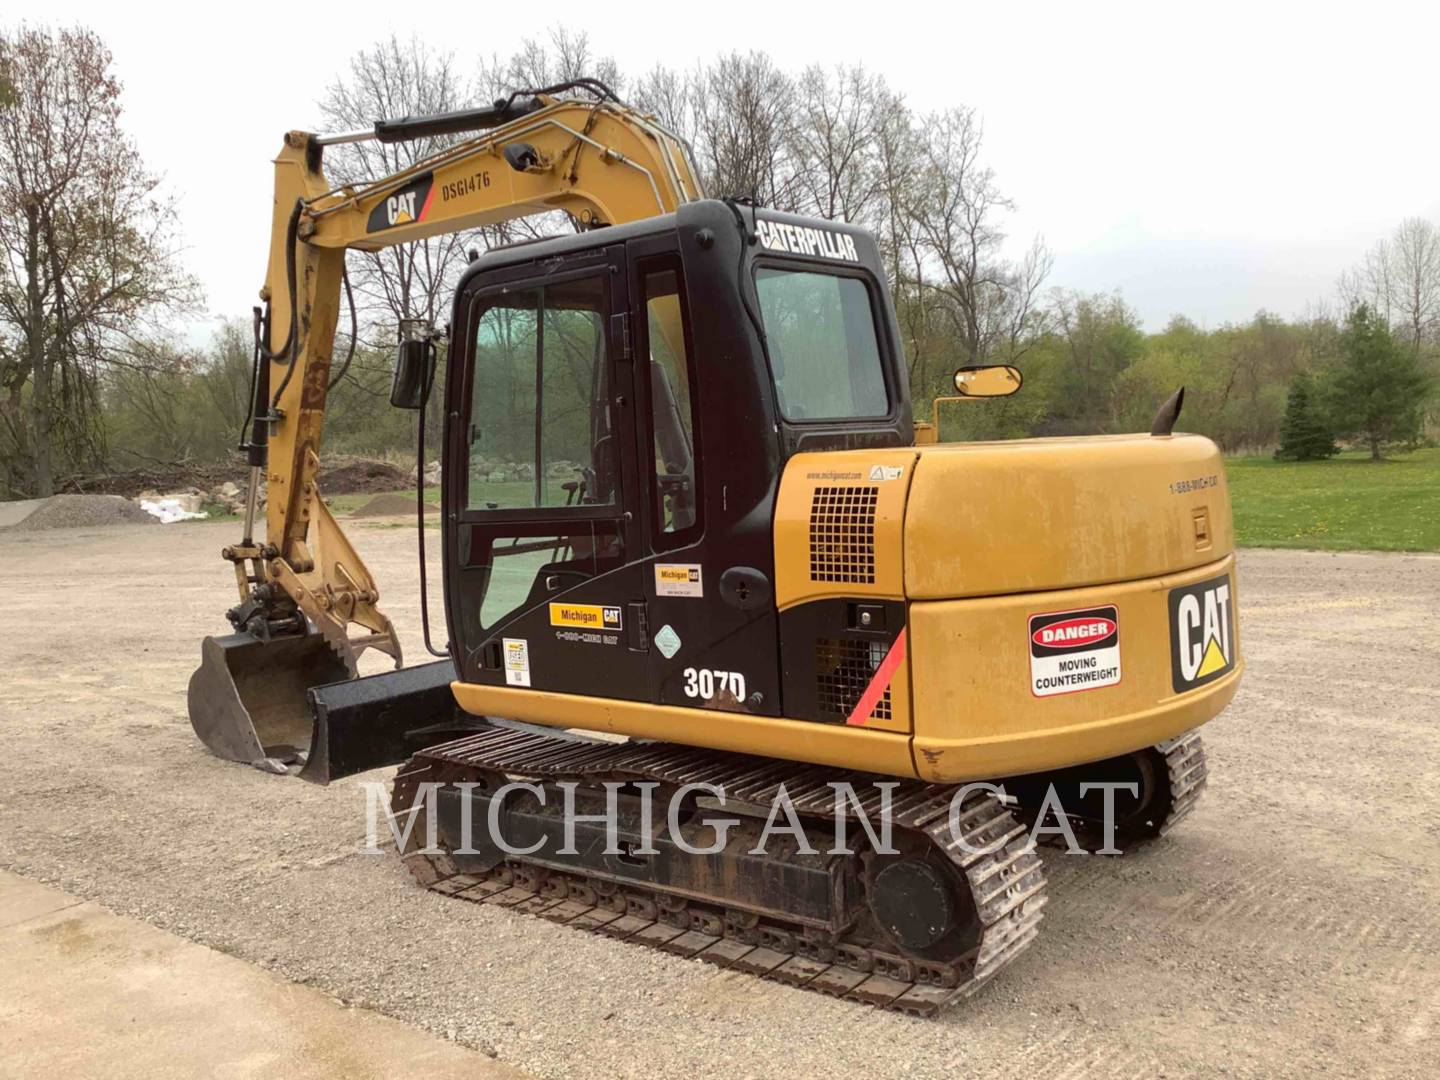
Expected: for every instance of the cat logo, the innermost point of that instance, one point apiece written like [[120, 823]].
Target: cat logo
[[1202, 633], [803, 240], [404, 206], [400, 209]]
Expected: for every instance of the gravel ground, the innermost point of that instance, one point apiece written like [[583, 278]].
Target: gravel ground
[[83, 511], [1289, 927]]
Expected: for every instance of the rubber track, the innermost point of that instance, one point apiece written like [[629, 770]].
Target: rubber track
[[1185, 762], [1007, 881]]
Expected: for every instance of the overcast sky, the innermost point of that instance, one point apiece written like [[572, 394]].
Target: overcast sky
[[1209, 160]]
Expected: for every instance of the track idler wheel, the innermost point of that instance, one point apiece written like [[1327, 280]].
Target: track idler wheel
[[1165, 781], [914, 903]]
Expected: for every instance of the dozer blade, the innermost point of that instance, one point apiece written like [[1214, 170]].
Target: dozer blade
[[273, 703], [363, 724], [248, 698]]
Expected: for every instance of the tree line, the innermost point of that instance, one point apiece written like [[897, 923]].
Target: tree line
[[90, 380]]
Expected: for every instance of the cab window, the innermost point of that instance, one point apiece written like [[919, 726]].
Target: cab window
[[821, 339], [674, 492], [541, 425]]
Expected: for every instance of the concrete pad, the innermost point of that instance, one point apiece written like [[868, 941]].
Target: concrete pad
[[17, 510], [22, 900], [89, 993]]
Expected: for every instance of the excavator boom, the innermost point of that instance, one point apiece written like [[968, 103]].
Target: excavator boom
[[309, 607]]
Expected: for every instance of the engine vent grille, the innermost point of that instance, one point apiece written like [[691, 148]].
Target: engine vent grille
[[842, 534], [843, 669]]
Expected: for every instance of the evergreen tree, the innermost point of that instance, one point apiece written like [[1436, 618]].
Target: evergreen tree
[[1378, 390], [1304, 433]]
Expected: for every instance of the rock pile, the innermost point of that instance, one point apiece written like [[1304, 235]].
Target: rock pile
[[83, 511], [432, 475], [499, 472], [228, 498]]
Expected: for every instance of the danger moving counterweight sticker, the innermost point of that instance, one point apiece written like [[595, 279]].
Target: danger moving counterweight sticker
[[1072, 651]]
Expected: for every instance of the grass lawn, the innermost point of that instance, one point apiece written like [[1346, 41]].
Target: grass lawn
[[1346, 504]]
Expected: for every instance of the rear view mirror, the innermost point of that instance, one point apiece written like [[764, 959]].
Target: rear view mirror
[[414, 368], [989, 380]]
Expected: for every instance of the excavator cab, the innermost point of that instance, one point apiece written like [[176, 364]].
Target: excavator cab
[[608, 433], [684, 500], [615, 440]]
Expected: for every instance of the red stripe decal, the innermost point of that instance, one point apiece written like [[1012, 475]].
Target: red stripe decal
[[429, 198], [879, 683]]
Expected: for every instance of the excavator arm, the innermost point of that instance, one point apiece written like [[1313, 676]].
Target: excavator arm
[[599, 161]]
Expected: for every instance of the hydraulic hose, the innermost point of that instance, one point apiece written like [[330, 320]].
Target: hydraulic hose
[[286, 353], [354, 331]]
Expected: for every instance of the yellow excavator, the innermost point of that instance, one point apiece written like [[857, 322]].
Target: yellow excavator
[[693, 553]]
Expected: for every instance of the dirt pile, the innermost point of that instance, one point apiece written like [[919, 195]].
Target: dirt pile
[[390, 505], [359, 476], [138, 482], [84, 511]]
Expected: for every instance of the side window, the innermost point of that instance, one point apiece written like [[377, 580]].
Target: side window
[[675, 493], [821, 340], [541, 426]]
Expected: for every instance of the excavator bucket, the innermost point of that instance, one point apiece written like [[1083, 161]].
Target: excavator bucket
[[248, 698], [273, 703]]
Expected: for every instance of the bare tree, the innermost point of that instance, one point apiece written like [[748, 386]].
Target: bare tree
[[669, 96], [956, 208], [563, 54], [1415, 279], [1371, 282], [1400, 279], [808, 145], [743, 107], [395, 78], [88, 241], [956, 211], [1021, 317], [897, 163], [834, 134]]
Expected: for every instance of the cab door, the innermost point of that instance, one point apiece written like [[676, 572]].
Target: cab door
[[546, 586], [711, 618]]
